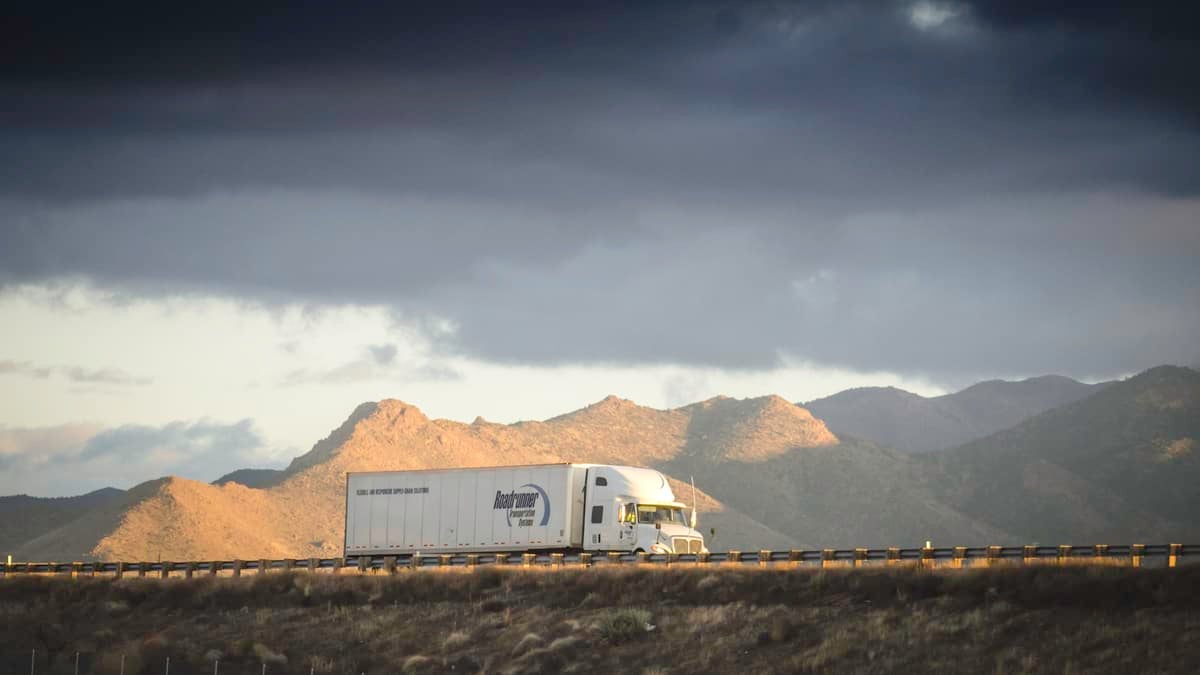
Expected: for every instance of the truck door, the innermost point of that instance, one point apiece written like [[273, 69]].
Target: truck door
[[600, 526]]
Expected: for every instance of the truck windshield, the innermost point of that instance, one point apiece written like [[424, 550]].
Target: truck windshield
[[650, 514]]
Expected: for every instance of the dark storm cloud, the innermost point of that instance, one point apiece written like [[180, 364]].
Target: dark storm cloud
[[711, 183]]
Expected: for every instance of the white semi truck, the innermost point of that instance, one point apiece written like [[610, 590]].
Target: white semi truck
[[547, 507]]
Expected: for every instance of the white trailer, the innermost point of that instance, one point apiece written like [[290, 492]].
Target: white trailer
[[556, 507]]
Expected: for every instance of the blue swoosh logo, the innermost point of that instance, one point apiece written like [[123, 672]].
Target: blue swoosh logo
[[545, 500]]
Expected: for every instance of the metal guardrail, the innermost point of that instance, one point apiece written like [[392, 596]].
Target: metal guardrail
[[856, 556]]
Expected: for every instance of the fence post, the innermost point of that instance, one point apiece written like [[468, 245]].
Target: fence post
[[1136, 552]]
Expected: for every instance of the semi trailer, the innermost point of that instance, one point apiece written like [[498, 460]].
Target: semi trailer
[[545, 507]]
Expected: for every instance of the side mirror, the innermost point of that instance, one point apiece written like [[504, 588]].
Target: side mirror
[[712, 531]]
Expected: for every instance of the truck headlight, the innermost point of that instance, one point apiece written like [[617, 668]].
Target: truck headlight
[[659, 548]]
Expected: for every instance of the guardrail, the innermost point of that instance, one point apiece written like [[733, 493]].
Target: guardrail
[[957, 556]]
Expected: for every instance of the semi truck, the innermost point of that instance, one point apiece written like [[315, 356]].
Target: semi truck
[[538, 508]]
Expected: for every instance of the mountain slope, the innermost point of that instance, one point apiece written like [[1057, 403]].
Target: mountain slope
[[905, 421], [302, 516], [1121, 464], [23, 518]]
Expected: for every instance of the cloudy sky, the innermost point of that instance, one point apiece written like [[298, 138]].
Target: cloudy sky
[[222, 228]]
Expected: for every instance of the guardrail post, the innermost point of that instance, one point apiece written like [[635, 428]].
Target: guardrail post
[[289, 564], [1136, 552], [860, 557], [993, 555], [927, 559], [314, 565], [444, 560], [764, 557], [734, 556], [893, 556], [614, 558], [165, 571], [120, 571], [1100, 551], [263, 566], [1064, 554], [556, 560], [389, 564], [1173, 553], [960, 554], [795, 557], [703, 558], [143, 567], [1028, 553], [364, 563], [237, 568], [189, 570], [828, 555], [77, 569], [585, 560]]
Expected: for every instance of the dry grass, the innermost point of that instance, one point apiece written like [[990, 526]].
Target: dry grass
[[875, 620]]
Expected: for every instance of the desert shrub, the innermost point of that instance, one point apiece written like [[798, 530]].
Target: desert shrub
[[267, 655], [530, 641], [456, 640], [622, 625], [418, 663]]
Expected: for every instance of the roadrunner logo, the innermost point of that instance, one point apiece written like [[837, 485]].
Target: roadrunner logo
[[523, 505]]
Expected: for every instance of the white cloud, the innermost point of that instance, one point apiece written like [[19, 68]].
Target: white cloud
[[77, 458], [926, 15]]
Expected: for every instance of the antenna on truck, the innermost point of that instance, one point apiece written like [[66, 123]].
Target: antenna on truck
[[693, 478]]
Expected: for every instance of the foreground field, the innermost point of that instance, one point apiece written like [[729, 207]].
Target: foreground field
[[1038, 619]]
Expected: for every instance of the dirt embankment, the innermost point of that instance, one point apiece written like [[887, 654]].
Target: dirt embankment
[[638, 620]]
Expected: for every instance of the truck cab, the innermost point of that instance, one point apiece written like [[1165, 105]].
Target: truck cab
[[633, 509]]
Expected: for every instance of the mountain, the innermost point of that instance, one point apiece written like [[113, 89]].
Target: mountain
[[905, 421], [23, 518], [254, 478], [770, 475], [1120, 465], [176, 518]]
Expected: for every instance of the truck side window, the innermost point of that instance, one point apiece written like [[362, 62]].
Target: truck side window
[[601, 480], [597, 514]]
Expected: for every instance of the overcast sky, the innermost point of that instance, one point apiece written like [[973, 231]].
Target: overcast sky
[[224, 227]]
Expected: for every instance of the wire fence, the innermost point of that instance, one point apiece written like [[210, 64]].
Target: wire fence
[[1136, 555]]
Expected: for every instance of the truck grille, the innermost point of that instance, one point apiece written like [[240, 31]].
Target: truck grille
[[686, 545]]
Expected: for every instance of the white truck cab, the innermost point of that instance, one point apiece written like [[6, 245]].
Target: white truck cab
[[633, 509]]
